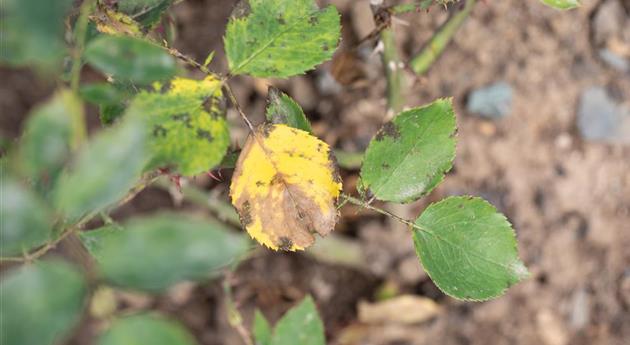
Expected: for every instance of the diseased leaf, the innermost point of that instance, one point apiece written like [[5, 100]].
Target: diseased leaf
[[49, 136], [104, 170], [153, 329], [40, 303], [26, 220], [32, 32], [282, 109], [130, 59], [261, 329], [111, 22], [182, 133], [562, 4], [166, 249], [285, 187], [410, 154], [280, 38], [300, 325], [468, 248]]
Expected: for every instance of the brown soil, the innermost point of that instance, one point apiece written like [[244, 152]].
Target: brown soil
[[569, 199]]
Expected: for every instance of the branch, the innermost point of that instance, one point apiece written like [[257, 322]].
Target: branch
[[434, 48]]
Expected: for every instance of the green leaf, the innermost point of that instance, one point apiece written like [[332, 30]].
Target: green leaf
[[182, 133], [49, 136], [300, 325], [102, 93], [130, 59], [26, 220], [410, 154], [93, 240], [165, 249], [151, 329], [104, 170], [468, 248], [32, 32], [283, 109], [281, 38], [562, 4], [146, 12], [261, 329], [40, 303]]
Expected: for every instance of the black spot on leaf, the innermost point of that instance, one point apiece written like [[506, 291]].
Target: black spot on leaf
[[388, 130]]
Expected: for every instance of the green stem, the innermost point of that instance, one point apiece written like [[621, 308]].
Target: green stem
[[366, 205], [393, 70], [434, 48], [80, 34], [405, 8]]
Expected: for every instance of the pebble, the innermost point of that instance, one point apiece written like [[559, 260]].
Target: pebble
[[601, 118], [492, 102]]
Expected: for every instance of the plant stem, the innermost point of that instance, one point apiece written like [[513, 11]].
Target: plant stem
[[393, 70], [80, 33], [434, 48], [366, 205], [405, 8], [240, 111]]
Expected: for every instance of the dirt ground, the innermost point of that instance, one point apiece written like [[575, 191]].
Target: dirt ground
[[568, 198]]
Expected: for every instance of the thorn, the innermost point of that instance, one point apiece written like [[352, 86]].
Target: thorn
[[212, 176], [177, 180]]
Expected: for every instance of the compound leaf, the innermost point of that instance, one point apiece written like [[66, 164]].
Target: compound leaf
[[104, 170], [300, 325], [49, 136], [26, 220], [130, 59], [468, 248], [280, 38], [562, 4], [409, 156], [282, 109], [183, 134], [151, 329], [285, 187], [165, 249], [40, 303], [32, 32]]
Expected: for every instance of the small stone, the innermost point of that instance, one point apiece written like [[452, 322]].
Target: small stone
[[493, 101], [615, 61], [601, 118]]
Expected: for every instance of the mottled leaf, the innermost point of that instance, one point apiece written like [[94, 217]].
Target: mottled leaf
[[285, 187], [562, 4], [153, 253], [282, 109], [105, 169], [468, 248], [40, 303], [32, 32], [111, 22], [410, 154], [280, 38], [151, 329], [26, 220], [130, 59], [183, 134], [300, 325], [48, 138]]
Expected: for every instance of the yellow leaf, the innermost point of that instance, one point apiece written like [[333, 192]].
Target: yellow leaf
[[111, 22], [285, 187]]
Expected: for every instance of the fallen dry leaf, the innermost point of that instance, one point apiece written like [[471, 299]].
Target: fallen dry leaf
[[406, 309]]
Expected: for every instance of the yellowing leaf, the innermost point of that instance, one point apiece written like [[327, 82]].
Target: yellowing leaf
[[285, 187], [111, 22]]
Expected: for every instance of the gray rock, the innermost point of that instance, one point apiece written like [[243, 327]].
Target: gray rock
[[492, 102], [615, 61], [601, 118]]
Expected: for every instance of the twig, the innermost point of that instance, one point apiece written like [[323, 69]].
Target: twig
[[233, 314], [366, 205], [81, 29], [434, 48], [228, 91], [393, 71]]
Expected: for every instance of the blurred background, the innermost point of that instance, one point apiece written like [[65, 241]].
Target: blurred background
[[543, 106]]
